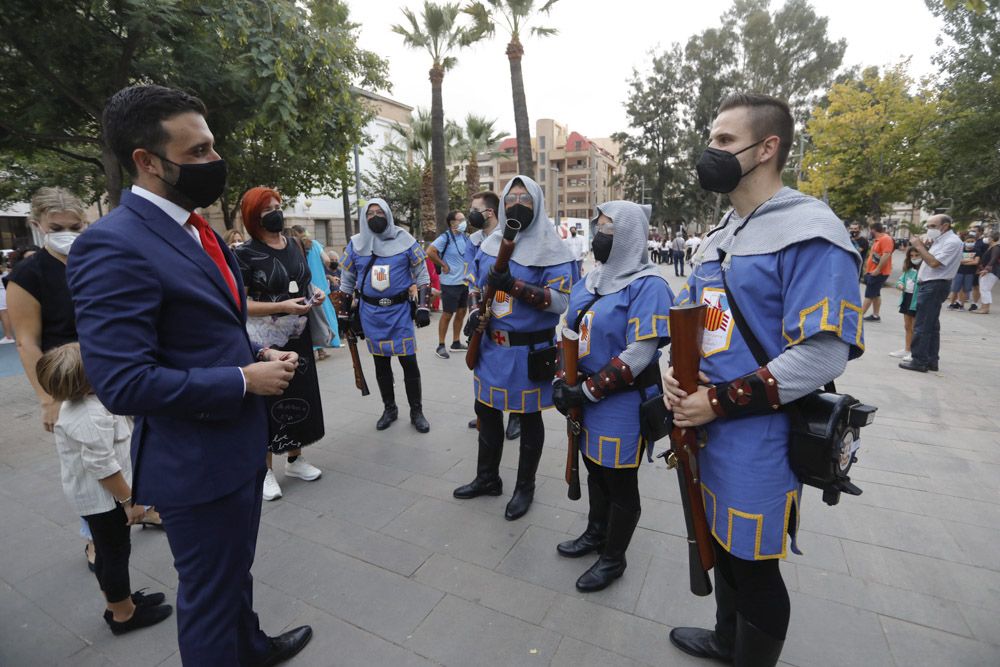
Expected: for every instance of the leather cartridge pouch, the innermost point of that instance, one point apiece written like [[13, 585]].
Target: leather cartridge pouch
[[542, 364]]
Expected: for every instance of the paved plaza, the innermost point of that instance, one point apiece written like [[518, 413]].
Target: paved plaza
[[389, 569]]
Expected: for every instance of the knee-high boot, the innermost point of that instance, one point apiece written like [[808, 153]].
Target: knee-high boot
[[595, 535], [611, 565], [413, 397], [487, 481], [524, 492], [754, 647], [718, 643], [391, 412]]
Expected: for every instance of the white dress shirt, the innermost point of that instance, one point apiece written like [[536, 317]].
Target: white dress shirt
[[946, 249], [92, 444]]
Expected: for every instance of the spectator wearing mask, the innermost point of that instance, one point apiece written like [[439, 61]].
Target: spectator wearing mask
[[878, 266], [964, 280], [578, 246], [907, 284], [989, 272], [940, 265], [318, 260], [447, 252], [233, 238], [982, 244], [860, 244]]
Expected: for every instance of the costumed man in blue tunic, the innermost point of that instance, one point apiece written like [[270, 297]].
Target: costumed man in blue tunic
[[621, 311], [387, 267], [483, 218], [517, 354], [792, 270]]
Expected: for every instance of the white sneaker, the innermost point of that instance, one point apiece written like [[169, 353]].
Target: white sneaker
[[302, 469], [6, 340], [908, 357], [899, 354], [271, 489]]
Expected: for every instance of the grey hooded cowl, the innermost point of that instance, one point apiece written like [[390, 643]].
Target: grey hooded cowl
[[629, 259], [392, 241], [539, 244]]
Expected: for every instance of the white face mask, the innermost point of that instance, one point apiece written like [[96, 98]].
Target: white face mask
[[916, 262], [60, 242], [933, 234], [462, 226]]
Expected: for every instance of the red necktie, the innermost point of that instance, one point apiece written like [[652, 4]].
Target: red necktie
[[211, 245]]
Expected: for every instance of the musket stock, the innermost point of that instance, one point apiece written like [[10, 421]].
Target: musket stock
[[503, 258], [570, 357]]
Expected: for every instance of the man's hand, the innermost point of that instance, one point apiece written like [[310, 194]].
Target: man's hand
[[270, 378], [689, 411], [413, 292], [500, 281], [280, 355], [565, 397], [917, 242], [50, 413], [295, 306], [444, 270]]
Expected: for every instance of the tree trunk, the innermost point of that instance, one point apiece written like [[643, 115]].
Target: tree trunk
[[228, 214], [437, 148], [345, 194], [427, 225], [112, 175], [472, 176], [525, 161]]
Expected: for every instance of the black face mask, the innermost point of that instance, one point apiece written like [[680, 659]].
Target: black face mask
[[521, 213], [273, 221], [334, 265], [378, 224], [476, 219], [201, 183], [720, 171], [601, 245]]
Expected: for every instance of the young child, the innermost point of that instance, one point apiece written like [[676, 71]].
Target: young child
[[907, 284], [93, 448]]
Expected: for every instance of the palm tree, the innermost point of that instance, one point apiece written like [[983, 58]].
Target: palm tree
[[417, 139], [437, 33], [515, 15], [478, 137]]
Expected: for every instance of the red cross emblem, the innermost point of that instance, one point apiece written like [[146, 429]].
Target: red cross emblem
[[500, 337]]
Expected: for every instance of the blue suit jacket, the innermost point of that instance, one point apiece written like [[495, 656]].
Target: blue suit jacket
[[163, 340]]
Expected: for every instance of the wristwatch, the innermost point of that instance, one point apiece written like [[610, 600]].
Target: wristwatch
[[261, 355]]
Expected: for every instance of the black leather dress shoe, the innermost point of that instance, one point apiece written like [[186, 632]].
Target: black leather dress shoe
[[474, 423], [142, 617], [700, 643], [140, 599], [479, 487], [913, 365], [389, 415], [285, 646], [932, 366]]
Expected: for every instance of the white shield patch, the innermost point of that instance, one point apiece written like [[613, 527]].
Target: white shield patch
[[718, 321], [380, 277], [585, 326], [503, 304]]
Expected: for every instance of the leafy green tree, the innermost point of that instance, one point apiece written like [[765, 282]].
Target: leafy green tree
[[876, 143], [515, 16], [438, 33], [276, 78]]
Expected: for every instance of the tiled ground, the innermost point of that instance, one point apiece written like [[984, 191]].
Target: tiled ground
[[390, 570]]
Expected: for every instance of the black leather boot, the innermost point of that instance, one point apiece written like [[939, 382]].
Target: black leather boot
[[611, 565], [595, 535], [754, 647], [513, 426], [391, 412], [718, 643], [524, 492], [413, 397], [487, 481]]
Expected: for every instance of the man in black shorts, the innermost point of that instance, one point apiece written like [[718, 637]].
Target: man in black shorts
[[448, 253]]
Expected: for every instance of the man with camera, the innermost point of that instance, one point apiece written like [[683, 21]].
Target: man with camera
[[785, 263]]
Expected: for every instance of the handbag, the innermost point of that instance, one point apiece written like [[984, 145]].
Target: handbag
[[824, 434]]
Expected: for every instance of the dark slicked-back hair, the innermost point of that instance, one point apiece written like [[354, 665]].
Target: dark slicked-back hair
[[768, 116], [489, 198], [133, 118]]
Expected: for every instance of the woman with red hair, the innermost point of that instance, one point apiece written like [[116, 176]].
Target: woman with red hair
[[279, 297]]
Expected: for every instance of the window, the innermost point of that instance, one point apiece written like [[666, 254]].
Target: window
[[541, 143], [579, 145]]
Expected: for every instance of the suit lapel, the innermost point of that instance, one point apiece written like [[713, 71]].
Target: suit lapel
[[174, 234]]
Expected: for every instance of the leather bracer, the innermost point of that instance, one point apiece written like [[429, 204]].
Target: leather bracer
[[615, 376], [752, 394], [341, 303], [535, 296]]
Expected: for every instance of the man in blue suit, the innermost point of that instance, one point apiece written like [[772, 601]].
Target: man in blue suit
[[161, 315]]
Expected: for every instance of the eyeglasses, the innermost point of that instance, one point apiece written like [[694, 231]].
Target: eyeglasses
[[524, 198]]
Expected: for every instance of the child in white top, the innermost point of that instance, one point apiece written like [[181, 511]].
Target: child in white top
[[93, 448]]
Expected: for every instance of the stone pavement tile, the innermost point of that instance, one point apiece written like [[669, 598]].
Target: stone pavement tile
[[884, 600], [952, 581], [343, 462], [393, 449], [862, 474], [534, 559], [978, 544], [353, 499], [347, 538], [369, 597], [40, 543], [575, 653], [826, 633], [339, 643], [462, 634], [916, 645], [152, 557], [818, 550], [667, 598], [947, 508], [276, 609], [615, 631], [985, 623], [29, 636], [89, 657], [451, 528], [487, 588]]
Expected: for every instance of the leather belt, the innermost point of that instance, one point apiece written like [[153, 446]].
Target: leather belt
[[386, 301], [505, 338]]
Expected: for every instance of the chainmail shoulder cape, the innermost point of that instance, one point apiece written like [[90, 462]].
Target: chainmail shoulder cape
[[629, 259], [787, 218], [392, 241], [539, 244]]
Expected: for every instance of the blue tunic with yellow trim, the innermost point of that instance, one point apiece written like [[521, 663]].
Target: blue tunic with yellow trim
[[388, 329], [501, 375], [786, 297], [639, 311]]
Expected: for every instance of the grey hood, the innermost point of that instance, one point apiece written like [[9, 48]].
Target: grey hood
[[629, 259], [539, 244], [392, 241]]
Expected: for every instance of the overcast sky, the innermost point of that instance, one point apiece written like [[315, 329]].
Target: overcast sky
[[580, 76]]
